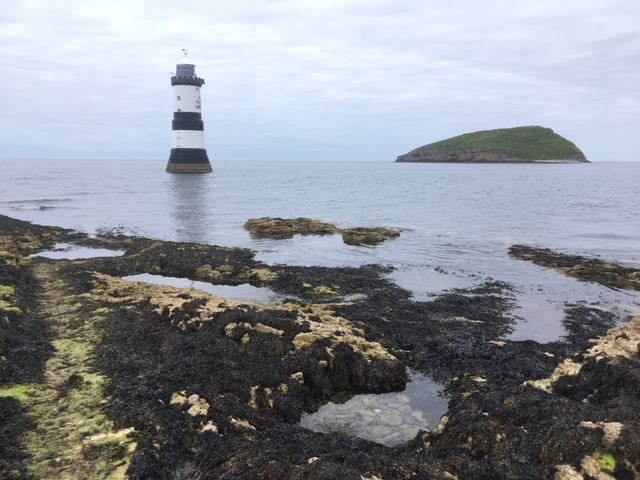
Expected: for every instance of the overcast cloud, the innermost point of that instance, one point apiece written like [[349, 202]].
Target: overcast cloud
[[330, 80]]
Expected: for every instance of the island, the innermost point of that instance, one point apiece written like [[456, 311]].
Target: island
[[505, 145]]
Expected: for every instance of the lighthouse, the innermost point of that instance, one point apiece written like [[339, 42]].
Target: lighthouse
[[188, 154]]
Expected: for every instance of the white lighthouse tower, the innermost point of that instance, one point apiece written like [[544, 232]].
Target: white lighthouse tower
[[188, 154]]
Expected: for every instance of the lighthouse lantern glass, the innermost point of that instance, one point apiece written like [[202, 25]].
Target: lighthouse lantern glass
[[186, 70]]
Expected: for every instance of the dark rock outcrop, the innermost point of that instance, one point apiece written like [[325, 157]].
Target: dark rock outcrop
[[281, 228]]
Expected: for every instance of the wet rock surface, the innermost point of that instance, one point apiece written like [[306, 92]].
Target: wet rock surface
[[588, 269], [268, 227], [367, 236], [279, 228], [196, 386]]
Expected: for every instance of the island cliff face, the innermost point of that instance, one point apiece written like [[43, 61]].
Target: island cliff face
[[506, 145]]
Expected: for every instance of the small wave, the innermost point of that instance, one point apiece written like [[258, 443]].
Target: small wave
[[40, 200], [607, 236], [32, 207]]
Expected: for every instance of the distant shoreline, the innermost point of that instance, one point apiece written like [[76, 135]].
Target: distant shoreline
[[498, 162], [504, 145]]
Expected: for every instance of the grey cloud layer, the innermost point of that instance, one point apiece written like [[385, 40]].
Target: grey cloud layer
[[332, 80]]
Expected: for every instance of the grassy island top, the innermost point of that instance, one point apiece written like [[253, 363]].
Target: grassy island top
[[519, 143]]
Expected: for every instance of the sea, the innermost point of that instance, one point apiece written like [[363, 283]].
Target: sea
[[457, 221]]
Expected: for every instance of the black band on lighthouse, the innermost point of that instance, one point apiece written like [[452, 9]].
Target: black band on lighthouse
[[187, 125], [187, 121], [188, 155]]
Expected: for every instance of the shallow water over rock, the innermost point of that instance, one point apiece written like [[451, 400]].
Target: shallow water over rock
[[389, 418], [540, 295], [236, 293], [68, 251]]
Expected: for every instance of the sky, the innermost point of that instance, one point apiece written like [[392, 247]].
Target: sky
[[341, 80]]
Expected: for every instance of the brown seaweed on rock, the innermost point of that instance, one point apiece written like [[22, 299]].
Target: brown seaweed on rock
[[209, 388], [280, 228], [367, 236], [268, 227], [588, 269]]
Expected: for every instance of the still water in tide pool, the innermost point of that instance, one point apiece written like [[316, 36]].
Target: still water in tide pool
[[237, 293], [389, 418], [457, 221], [67, 251]]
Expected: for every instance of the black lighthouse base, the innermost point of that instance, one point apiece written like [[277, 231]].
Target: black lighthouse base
[[189, 160]]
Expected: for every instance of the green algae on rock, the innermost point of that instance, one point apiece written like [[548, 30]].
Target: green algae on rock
[[506, 145]]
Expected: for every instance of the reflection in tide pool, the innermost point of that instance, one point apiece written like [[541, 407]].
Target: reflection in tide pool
[[540, 295], [67, 251], [389, 418], [236, 293], [427, 283]]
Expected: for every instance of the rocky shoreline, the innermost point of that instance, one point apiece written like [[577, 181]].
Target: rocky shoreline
[[106, 378]]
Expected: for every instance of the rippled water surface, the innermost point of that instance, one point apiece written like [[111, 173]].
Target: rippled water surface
[[457, 221]]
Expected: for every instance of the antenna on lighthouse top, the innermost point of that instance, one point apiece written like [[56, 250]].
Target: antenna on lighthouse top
[[184, 50]]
